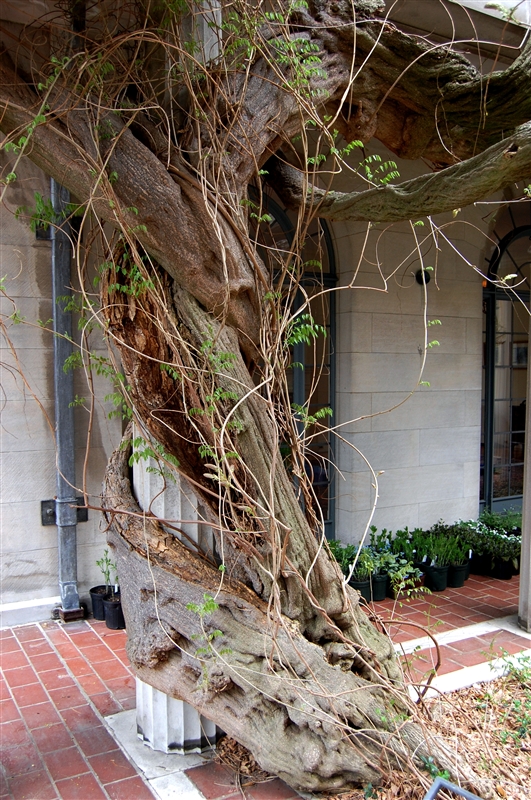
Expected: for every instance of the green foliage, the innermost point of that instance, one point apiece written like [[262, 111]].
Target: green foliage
[[308, 419], [206, 650], [121, 407], [135, 283], [218, 360], [171, 371], [19, 147], [300, 57], [108, 567], [510, 702], [382, 174], [43, 215], [9, 178], [431, 767], [508, 520], [303, 329], [16, 317], [344, 554], [206, 608], [144, 450], [77, 401], [74, 361], [346, 151], [505, 13], [365, 565]]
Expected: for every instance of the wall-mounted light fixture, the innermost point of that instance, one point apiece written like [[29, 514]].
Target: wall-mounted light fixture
[[422, 276]]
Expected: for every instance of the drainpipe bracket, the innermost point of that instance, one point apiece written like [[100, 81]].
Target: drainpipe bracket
[[48, 513]]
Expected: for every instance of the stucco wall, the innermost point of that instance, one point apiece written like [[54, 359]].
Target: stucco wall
[[27, 448], [427, 449]]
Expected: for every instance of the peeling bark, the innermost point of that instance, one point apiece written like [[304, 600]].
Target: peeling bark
[[306, 715], [308, 684], [455, 187]]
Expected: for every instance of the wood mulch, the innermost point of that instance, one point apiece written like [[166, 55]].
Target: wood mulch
[[489, 723]]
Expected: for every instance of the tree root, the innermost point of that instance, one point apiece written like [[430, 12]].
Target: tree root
[[312, 720]]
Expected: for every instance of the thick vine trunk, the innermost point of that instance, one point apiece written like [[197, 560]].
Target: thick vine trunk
[[306, 682], [308, 717], [298, 674]]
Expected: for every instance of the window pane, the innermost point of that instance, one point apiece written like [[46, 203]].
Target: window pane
[[501, 482], [502, 416], [501, 449], [516, 480]]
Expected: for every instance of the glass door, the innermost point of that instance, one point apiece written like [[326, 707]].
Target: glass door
[[505, 348]]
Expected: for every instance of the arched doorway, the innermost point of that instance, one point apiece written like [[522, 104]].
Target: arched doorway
[[506, 301], [313, 376]]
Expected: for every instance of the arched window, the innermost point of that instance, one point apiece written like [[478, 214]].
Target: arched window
[[312, 381], [505, 345]]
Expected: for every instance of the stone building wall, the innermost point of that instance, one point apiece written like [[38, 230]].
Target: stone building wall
[[428, 448], [27, 446]]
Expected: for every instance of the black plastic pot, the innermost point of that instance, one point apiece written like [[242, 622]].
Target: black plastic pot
[[503, 570], [393, 593], [97, 596], [379, 587], [457, 575], [481, 565], [437, 578], [363, 587], [114, 618]]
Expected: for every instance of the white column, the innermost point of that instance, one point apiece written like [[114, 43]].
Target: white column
[[524, 605], [169, 725], [163, 722]]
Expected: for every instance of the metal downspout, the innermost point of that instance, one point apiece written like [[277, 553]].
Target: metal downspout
[[65, 502]]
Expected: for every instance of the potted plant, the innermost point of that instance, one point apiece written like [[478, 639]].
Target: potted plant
[[114, 617], [458, 556], [99, 593], [478, 537], [360, 575], [404, 578], [438, 563], [383, 562], [505, 550]]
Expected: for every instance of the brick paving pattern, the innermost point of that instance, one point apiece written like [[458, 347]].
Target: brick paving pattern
[[481, 599], [216, 782], [58, 682]]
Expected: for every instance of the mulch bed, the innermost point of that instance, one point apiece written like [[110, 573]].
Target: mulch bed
[[490, 723]]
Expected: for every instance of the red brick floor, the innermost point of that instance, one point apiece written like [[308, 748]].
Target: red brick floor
[[216, 782], [57, 682], [481, 599]]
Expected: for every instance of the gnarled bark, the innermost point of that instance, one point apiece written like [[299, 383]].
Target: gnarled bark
[[307, 683], [303, 710]]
